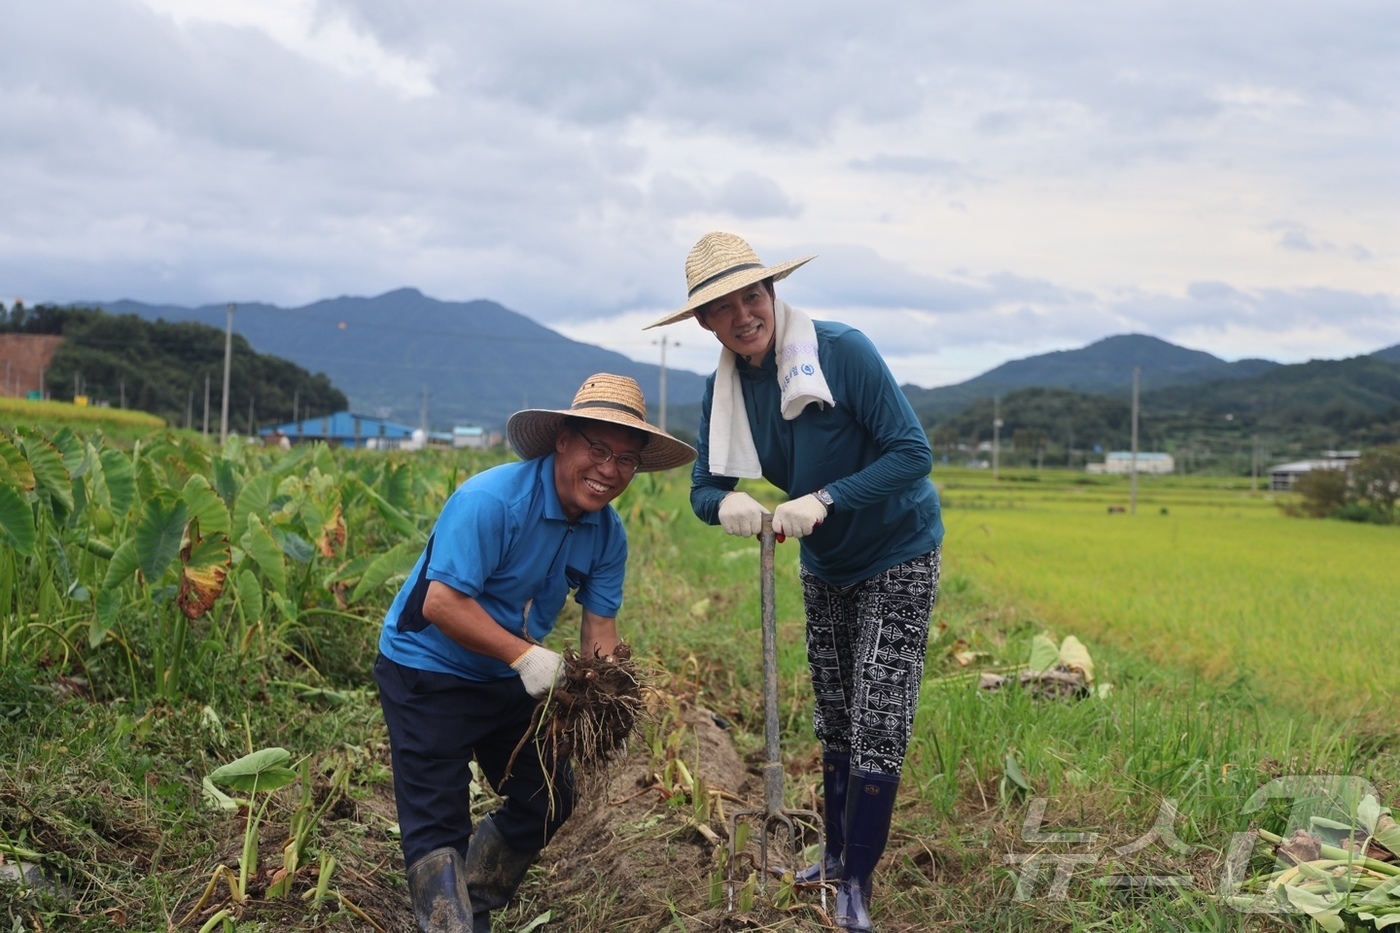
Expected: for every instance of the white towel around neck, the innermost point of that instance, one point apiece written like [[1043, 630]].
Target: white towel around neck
[[732, 450]]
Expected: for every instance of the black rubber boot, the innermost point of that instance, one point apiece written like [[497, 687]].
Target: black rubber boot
[[437, 884], [836, 776], [494, 871], [869, 809]]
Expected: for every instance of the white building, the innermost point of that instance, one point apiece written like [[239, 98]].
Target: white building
[[1121, 461], [1284, 476]]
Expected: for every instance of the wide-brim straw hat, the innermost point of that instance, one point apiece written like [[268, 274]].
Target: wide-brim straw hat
[[717, 265], [606, 398]]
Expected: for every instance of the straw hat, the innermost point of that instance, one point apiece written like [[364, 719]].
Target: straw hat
[[606, 398], [719, 264]]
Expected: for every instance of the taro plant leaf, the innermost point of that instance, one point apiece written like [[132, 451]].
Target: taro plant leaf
[[396, 518], [159, 533], [398, 488], [1075, 656], [119, 481], [14, 469], [293, 545], [332, 533], [250, 597], [225, 479], [1369, 811], [216, 799], [266, 554], [122, 565], [50, 475], [1387, 834], [255, 498], [285, 605], [395, 562], [108, 604], [1325, 910], [265, 770], [17, 520], [1044, 654], [205, 563], [206, 506]]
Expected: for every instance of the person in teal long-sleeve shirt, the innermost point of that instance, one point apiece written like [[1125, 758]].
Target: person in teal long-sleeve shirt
[[811, 407]]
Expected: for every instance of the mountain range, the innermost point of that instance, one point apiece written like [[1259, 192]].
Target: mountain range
[[477, 362], [471, 362]]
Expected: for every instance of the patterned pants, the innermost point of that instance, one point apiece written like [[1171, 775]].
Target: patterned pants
[[865, 645]]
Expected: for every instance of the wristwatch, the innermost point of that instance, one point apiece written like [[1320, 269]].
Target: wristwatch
[[825, 499]]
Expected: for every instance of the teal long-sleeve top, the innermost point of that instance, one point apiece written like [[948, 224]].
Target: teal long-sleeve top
[[868, 450]]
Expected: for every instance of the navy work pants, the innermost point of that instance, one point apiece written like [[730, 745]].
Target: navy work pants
[[437, 724]]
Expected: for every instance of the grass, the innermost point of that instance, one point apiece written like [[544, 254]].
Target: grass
[[1190, 627]]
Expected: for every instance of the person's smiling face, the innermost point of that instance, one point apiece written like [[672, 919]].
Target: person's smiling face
[[742, 320], [583, 484]]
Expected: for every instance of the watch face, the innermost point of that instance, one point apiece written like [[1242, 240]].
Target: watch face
[[824, 498]]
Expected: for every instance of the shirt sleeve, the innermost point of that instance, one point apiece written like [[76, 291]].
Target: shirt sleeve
[[472, 535], [877, 403], [707, 489], [601, 591]]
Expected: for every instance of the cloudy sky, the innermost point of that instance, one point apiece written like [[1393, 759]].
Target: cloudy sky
[[980, 181]]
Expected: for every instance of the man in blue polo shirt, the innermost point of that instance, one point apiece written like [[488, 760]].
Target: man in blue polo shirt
[[461, 666]]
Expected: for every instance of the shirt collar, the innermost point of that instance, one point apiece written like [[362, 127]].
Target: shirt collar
[[553, 509]]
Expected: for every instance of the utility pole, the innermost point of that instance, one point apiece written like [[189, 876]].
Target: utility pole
[[206, 404], [189, 409], [1133, 471], [228, 363], [996, 437], [662, 342]]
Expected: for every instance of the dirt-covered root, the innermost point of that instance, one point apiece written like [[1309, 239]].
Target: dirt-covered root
[[589, 717]]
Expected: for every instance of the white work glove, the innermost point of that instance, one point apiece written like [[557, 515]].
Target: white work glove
[[797, 517], [741, 515], [540, 670]]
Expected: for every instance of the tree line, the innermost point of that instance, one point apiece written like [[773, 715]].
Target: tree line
[[163, 367]]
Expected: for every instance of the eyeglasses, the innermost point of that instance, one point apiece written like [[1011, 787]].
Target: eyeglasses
[[601, 453]]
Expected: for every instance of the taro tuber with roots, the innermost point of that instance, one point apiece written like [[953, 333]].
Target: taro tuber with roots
[[590, 715]]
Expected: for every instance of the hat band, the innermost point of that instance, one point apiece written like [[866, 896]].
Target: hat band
[[743, 267], [611, 406]]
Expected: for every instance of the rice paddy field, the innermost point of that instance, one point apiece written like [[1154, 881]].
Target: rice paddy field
[[1207, 575]]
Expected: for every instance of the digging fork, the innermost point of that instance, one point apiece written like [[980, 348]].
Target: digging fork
[[773, 816]]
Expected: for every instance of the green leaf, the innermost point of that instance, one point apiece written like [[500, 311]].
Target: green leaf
[[1325, 911], [1369, 811], [264, 770], [216, 799], [50, 475], [225, 480], [293, 545], [538, 922], [122, 565], [398, 561], [14, 469], [260, 544], [17, 520], [109, 602], [250, 597], [159, 533], [206, 507], [398, 488], [254, 499], [1044, 654], [1014, 775], [119, 480], [399, 521]]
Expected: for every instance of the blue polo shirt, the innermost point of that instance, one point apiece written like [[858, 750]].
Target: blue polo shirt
[[503, 539]]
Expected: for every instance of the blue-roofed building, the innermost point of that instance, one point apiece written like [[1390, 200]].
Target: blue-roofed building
[[347, 429]]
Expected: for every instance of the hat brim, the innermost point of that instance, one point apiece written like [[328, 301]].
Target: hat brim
[[729, 283], [532, 433]]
